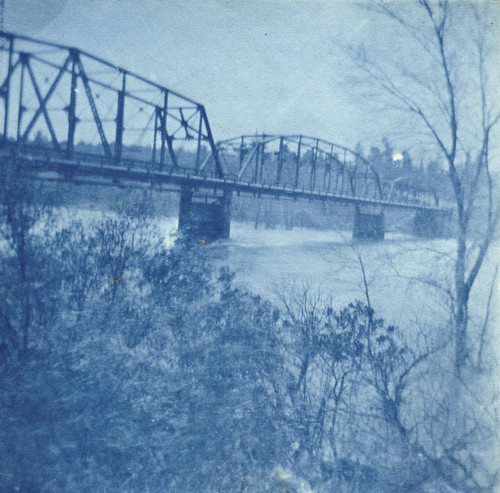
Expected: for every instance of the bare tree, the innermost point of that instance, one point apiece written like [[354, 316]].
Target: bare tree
[[441, 78], [21, 209]]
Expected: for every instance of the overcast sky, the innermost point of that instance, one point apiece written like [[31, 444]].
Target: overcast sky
[[266, 66]]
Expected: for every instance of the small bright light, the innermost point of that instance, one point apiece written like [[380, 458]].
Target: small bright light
[[397, 157]]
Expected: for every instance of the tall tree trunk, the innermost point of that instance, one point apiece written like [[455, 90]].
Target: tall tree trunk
[[461, 294]]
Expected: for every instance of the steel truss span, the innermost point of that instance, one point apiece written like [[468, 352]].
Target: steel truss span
[[68, 111], [309, 164], [87, 105]]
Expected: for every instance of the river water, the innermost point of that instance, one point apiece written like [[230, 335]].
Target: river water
[[406, 278]]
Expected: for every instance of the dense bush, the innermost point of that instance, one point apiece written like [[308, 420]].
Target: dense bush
[[143, 368], [129, 366]]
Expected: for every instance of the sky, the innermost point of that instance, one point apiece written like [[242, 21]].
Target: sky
[[257, 66]]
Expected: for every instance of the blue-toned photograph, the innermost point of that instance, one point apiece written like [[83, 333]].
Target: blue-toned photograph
[[249, 246]]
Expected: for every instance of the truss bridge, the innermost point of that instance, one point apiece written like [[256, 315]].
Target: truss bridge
[[70, 115]]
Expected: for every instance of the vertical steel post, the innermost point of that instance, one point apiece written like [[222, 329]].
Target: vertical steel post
[[366, 181], [296, 184], [262, 156], [355, 180], [198, 147], [7, 92], [343, 173], [328, 168], [280, 162], [241, 153], [21, 90], [157, 111], [337, 171], [256, 171], [119, 120], [314, 157], [70, 144], [352, 182], [163, 130]]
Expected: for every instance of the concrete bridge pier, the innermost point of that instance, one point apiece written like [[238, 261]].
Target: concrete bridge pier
[[206, 219], [431, 223], [369, 223]]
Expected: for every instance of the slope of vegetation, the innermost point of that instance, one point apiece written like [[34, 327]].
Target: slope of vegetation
[[127, 366]]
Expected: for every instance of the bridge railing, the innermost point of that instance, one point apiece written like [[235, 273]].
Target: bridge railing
[[43, 153]]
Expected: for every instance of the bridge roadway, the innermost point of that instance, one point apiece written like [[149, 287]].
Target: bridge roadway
[[84, 166], [212, 220]]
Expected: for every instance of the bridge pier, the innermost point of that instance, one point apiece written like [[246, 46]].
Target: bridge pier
[[207, 220], [369, 224], [431, 223]]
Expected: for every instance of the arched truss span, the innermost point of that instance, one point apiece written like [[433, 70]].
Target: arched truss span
[[300, 162], [311, 164]]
